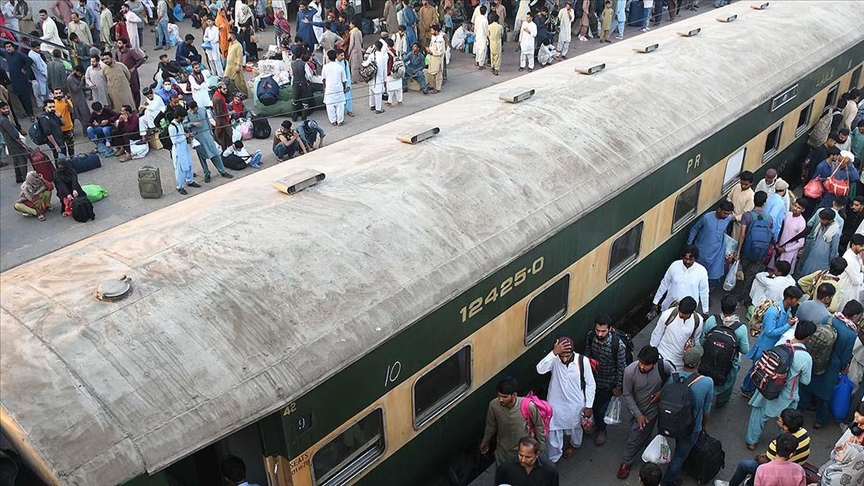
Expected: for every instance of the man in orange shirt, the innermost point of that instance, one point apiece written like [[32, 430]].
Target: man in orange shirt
[[64, 109]]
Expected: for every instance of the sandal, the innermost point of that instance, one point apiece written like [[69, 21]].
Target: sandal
[[569, 452], [751, 447], [600, 439], [40, 217]]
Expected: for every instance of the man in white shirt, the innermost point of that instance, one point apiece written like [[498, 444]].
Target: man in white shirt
[[851, 108], [527, 34], [335, 86], [766, 286], [683, 278], [9, 15], [571, 394], [768, 184], [49, 29], [677, 329], [852, 279], [152, 106]]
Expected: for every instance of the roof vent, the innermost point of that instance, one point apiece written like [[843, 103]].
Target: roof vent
[[647, 49], [589, 70], [761, 6], [114, 289], [516, 95], [727, 18], [690, 33], [414, 138], [298, 181]]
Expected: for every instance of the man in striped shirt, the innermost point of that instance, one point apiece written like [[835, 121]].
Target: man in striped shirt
[[790, 421]]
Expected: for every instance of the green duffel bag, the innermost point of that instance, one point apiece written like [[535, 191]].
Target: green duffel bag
[[94, 192]]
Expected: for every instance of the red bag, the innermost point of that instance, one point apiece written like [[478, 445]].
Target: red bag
[[42, 164], [836, 186], [814, 188]]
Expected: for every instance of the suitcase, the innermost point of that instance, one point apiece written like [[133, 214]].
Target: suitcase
[[42, 164], [149, 182], [705, 460], [85, 162]]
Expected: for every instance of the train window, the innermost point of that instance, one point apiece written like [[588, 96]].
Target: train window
[[734, 166], [804, 119], [547, 308], [772, 143], [625, 251], [832, 95], [439, 387], [686, 205], [351, 451], [856, 78]]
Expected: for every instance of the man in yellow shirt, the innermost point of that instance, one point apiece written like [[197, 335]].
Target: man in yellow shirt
[[63, 105]]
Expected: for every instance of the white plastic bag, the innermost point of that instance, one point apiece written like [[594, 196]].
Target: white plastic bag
[[731, 278], [139, 149], [657, 451], [613, 412]]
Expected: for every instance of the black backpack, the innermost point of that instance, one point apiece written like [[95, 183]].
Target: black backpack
[[61, 28], [82, 209], [676, 407], [165, 138], [772, 369], [719, 350], [261, 128], [37, 135]]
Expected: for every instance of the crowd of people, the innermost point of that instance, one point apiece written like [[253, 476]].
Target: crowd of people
[[792, 271]]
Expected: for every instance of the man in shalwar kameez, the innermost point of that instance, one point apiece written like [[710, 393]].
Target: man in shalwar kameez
[[787, 245], [481, 36], [822, 244], [571, 394], [132, 59], [180, 152], [200, 128], [117, 76], [709, 236]]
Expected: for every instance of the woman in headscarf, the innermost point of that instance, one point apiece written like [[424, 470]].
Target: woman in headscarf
[[35, 196], [224, 26], [66, 180]]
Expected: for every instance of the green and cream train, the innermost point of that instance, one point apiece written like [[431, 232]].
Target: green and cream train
[[345, 334]]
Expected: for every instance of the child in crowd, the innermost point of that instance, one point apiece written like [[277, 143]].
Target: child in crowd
[[238, 151], [606, 22]]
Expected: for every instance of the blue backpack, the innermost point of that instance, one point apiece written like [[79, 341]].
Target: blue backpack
[[758, 238]]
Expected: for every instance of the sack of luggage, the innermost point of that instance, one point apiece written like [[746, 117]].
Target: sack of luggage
[[544, 409], [719, 351], [706, 459], [820, 345], [82, 209], [94, 192], [85, 162], [821, 129], [268, 91], [246, 130], [139, 149], [149, 182], [261, 128], [771, 370], [676, 407], [755, 323], [234, 162], [42, 164]]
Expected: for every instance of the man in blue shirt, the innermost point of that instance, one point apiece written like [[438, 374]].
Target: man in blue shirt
[[777, 320], [709, 235], [702, 393], [187, 53], [799, 374]]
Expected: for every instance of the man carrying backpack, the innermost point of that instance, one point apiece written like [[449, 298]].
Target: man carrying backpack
[[810, 284], [607, 348], [47, 130], [643, 380], [756, 237], [825, 377], [822, 244], [571, 394], [724, 339], [776, 320], [505, 420], [677, 330], [675, 410], [786, 368]]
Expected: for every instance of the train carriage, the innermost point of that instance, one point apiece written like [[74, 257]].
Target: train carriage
[[342, 334]]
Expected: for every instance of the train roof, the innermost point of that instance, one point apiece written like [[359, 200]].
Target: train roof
[[241, 293]]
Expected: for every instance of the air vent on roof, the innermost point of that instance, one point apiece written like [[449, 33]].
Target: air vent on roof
[[647, 49], [298, 181], [418, 137], [516, 95], [761, 6], [727, 18], [596, 68], [690, 33]]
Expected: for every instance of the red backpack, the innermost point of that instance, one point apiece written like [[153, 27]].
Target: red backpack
[[543, 408]]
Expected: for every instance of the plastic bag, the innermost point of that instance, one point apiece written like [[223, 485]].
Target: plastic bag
[[236, 134], [841, 397], [94, 193], [657, 451], [588, 424], [729, 244], [246, 130], [613, 412], [731, 279]]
